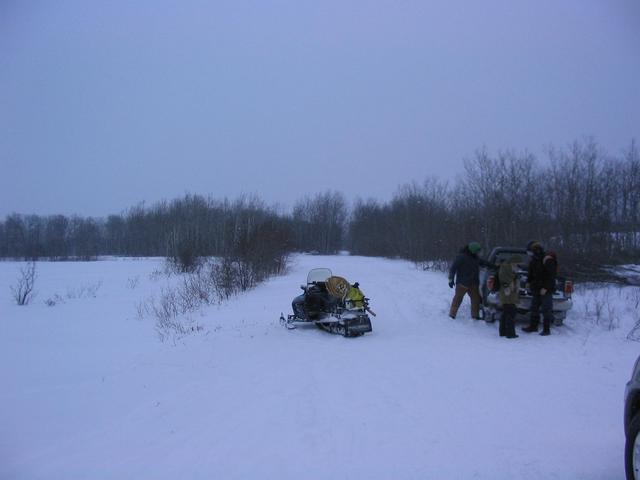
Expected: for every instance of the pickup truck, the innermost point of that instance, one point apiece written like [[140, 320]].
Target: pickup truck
[[489, 287]]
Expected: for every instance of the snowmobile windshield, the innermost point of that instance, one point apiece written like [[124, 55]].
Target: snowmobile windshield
[[318, 275]]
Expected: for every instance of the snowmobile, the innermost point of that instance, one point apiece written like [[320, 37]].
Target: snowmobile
[[332, 304]]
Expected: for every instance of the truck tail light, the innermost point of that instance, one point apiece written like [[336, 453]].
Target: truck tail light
[[568, 288], [491, 282]]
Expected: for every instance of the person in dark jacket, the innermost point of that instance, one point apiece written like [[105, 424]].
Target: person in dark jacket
[[542, 281], [465, 275]]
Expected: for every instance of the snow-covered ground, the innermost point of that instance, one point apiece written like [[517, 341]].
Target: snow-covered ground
[[89, 391]]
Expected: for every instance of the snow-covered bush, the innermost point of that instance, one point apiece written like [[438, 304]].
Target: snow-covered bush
[[171, 312], [212, 282], [610, 306], [602, 309], [172, 307]]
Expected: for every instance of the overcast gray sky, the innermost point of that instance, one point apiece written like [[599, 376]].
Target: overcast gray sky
[[106, 104]]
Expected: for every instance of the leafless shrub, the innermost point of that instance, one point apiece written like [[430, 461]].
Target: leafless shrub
[[434, 266], [133, 282], [170, 313], [634, 296], [53, 301], [613, 320], [167, 270], [598, 308], [634, 334], [602, 308], [143, 308], [213, 281], [184, 258], [173, 329], [22, 291], [198, 289], [167, 307], [86, 290], [156, 275], [225, 276]]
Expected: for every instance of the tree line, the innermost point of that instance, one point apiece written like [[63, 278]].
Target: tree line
[[581, 202], [245, 232]]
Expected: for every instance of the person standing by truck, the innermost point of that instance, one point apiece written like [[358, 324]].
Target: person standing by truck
[[465, 275], [542, 281], [509, 295]]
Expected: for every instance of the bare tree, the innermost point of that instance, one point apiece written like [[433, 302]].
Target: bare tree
[[320, 222], [22, 291]]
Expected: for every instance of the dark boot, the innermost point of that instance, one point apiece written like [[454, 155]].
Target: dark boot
[[533, 327], [545, 329], [501, 329], [510, 329], [510, 325]]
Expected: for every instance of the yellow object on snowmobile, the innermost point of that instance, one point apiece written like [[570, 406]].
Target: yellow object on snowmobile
[[356, 297]]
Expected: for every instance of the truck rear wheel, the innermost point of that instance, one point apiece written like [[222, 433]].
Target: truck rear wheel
[[632, 450]]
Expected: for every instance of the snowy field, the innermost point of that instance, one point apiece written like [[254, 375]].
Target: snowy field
[[90, 392]]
